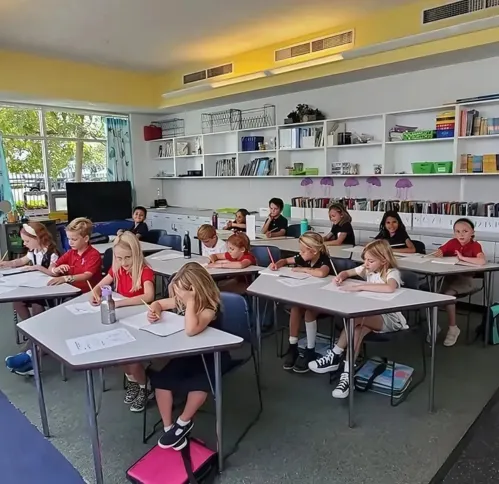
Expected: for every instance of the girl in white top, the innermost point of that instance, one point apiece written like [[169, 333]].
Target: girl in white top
[[381, 275]]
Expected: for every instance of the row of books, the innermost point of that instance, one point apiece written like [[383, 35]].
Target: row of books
[[293, 138], [226, 167], [488, 163], [259, 167], [472, 124], [251, 143]]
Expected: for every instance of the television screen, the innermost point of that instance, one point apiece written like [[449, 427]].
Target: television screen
[[99, 201]]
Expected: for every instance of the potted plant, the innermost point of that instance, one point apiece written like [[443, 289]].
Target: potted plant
[[303, 114]]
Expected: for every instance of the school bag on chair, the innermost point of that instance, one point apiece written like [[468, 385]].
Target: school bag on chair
[[493, 325], [194, 464]]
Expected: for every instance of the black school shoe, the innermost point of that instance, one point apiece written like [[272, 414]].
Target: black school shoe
[[290, 357], [176, 436], [301, 364]]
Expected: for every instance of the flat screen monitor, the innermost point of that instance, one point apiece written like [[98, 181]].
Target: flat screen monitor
[[99, 201]]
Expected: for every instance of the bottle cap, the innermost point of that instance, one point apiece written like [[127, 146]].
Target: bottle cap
[[106, 291]]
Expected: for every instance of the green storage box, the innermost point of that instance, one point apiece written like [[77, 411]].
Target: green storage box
[[418, 135], [312, 171], [422, 167], [443, 166]]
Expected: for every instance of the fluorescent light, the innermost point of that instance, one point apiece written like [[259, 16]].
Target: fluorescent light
[[311, 63], [237, 80], [430, 36], [187, 90]]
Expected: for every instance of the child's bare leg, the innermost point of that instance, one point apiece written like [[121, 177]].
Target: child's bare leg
[[194, 402], [135, 372], [37, 309], [22, 310], [164, 399], [453, 331]]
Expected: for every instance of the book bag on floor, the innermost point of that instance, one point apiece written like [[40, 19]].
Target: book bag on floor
[[194, 464], [493, 325]]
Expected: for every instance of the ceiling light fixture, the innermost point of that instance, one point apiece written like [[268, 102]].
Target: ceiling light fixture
[[237, 80], [311, 63], [187, 91]]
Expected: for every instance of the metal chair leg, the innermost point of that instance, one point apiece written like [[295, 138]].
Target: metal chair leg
[[63, 372], [16, 320]]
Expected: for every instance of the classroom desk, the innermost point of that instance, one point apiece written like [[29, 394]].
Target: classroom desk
[[146, 247], [435, 271], [51, 329], [349, 306], [293, 245]]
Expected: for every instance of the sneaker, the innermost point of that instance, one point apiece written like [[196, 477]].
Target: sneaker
[[303, 360], [17, 361], [290, 357], [132, 392], [175, 436], [428, 337], [329, 362], [139, 404], [452, 334], [26, 370], [342, 390]]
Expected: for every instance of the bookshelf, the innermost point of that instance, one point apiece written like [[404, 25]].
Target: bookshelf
[[318, 149]]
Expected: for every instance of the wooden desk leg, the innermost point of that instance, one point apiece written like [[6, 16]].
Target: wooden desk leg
[[489, 278], [39, 389], [93, 427], [218, 409], [351, 366]]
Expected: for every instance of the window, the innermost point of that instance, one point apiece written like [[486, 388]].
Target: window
[[45, 148]]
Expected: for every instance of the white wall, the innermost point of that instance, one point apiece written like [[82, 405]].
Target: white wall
[[420, 89]]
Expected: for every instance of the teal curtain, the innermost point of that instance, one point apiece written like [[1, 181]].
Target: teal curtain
[[5, 188], [119, 151]]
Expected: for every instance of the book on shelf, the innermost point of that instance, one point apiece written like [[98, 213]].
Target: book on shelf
[[295, 138], [226, 167], [487, 163], [251, 143], [472, 124], [259, 167]]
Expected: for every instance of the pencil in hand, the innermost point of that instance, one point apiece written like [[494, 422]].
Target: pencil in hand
[[150, 308]]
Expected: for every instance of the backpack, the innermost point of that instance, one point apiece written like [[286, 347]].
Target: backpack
[[194, 464], [493, 325]]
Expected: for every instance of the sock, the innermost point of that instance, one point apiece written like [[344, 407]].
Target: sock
[[337, 350], [346, 367], [311, 329], [130, 378], [143, 386], [166, 429], [182, 423], [293, 340], [29, 353]]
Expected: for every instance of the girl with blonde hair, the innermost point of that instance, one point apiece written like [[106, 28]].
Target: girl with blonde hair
[[194, 295], [314, 260], [133, 279], [381, 275]]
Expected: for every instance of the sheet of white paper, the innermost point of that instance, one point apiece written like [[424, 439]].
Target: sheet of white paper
[[446, 260], [99, 341], [285, 272], [170, 323], [358, 249], [287, 281], [383, 296], [415, 259], [169, 256], [26, 279], [341, 288], [82, 308]]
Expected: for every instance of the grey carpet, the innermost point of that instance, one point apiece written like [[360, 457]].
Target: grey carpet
[[303, 434]]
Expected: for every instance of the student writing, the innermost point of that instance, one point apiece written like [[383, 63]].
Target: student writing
[[133, 279], [210, 242], [381, 275], [193, 294], [466, 249], [393, 230], [276, 224], [313, 259], [342, 231]]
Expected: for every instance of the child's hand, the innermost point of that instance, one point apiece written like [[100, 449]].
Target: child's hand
[[5, 264], [56, 281], [154, 314], [340, 278], [95, 296], [299, 269], [229, 224], [31, 268], [213, 258], [353, 288], [64, 269], [273, 267], [438, 253], [459, 255], [186, 296]]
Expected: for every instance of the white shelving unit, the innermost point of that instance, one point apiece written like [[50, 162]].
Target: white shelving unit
[[319, 153]]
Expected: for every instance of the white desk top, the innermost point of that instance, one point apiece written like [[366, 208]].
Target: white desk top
[[344, 304], [293, 245], [436, 269], [52, 328], [31, 293], [146, 247], [170, 267]]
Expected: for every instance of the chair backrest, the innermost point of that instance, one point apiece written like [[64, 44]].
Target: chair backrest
[[234, 317], [295, 230], [261, 253], [419, 246], [173, 241], [341, 264], [154, 235], [410, 279], [107, 261]]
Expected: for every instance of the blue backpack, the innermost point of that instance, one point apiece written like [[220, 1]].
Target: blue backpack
[[493, 325]]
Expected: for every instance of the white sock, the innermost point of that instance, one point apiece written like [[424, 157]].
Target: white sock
[[346, 367], [182, 423], [337, 350], [311, 329], [293, 340], [29, 353], [166, 429], [142, 386], [130, 378]]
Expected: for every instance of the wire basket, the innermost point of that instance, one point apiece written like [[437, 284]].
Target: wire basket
[[171, 127], [258, 117], [230, 119]]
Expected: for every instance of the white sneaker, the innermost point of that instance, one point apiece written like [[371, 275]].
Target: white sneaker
[[452, 334], [428, 336], [342, 390]]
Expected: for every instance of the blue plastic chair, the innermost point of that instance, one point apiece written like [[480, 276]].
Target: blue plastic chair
[[261, 253], [173, 241], [154, 235], [107, 261]]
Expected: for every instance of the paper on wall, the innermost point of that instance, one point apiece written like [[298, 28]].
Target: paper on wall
[[251, 227]]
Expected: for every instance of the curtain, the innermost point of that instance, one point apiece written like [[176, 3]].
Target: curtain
[[119, 152], [5, 188]]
